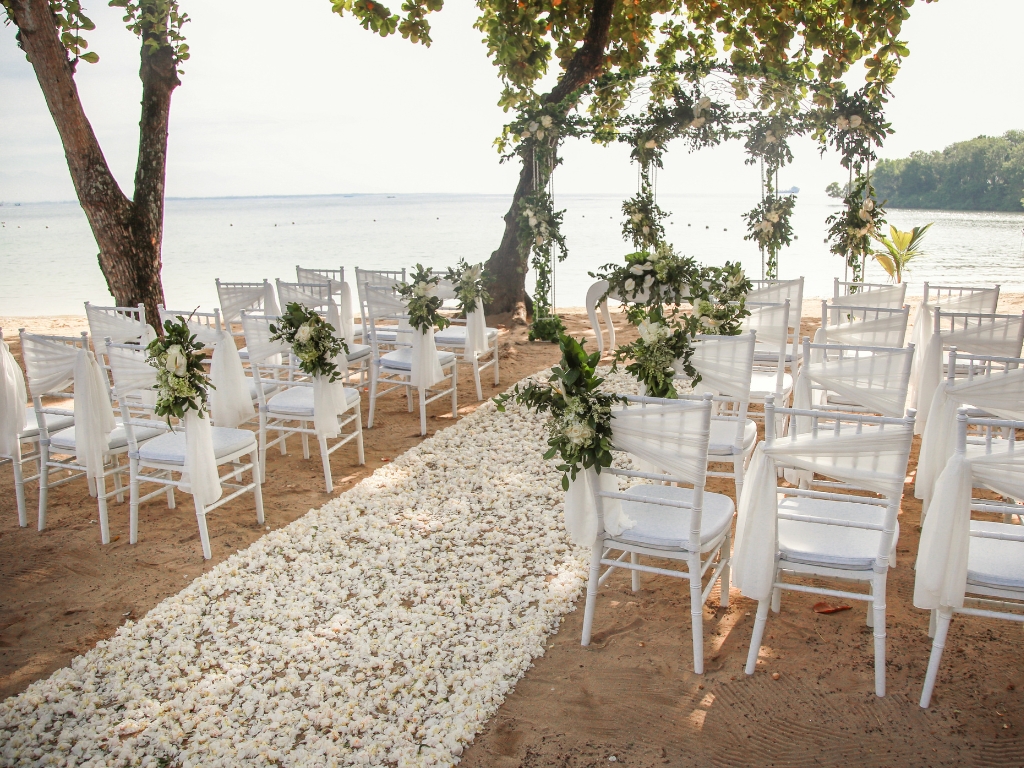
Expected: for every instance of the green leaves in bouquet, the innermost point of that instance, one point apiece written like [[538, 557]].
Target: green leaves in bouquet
[[470, 283], [663, 348], [312, 339], [423, 302], [182, 382], [579, 430]]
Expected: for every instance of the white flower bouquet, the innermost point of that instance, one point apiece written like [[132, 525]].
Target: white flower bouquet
[[182, 382], [312, 339]]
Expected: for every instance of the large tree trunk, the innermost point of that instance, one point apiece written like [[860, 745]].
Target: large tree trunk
[[129, 233], [507, 265]]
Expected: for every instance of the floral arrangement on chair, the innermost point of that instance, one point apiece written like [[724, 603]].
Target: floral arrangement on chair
[[664, 347], [580, 427], [182, 382], [312, 340], [422, 300], [468, 281]]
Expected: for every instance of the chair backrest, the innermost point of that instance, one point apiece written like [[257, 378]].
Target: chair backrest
[[312, 295], [966, 366], [1005, 475], [596, 303], [206, 326], [134, 380], [869, 294], [865, 325], [859, 452], [266, 357], [383, 303], [673, 436], [771, 323], [50, 365], [776, 292], [873, 379], [237, 297], [961, 298], [307, 275], [122, 324], [981, 332], [378, 278]]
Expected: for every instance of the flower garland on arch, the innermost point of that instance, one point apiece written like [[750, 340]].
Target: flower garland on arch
[[541, 226], [768, 224], [852, 229], [182, 382]]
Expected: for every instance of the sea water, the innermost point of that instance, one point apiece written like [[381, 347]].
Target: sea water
[[48, 261]]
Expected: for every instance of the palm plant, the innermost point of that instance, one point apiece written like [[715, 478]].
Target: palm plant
[[900, 249]]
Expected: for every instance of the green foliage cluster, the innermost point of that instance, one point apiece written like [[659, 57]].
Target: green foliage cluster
[[851, 230], [182, 382], [377, 17], [312, 340], [768, 224], [540, 226], [580, 427], [157, 23], [663, 347], [982, 174], [422, 300], [469, 282]]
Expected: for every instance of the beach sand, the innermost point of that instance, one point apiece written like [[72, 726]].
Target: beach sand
[[631, 695]]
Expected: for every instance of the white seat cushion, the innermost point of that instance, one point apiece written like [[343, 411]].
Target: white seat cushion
[[54, 423], [762, 383], [831, 546], [357, 351], [723, 437], [455, 335], [385, 334], [243, 353], [401, 359], [996, 563], [169, 448], [765, 353], [669, 527], [64, 441], [268, 386], [298, 401]]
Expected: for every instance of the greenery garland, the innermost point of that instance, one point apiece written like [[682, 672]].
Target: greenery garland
[[182, 382], [580, 427], [312, 339], [422, 300], [468, 281], [541, 226], [851, 230], [768, 223]]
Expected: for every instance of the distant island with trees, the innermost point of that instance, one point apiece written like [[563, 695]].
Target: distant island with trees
[[982, 174]]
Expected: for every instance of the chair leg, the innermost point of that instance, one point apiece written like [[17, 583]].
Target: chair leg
[[117, 481], [455, 389], [204, 534], [737, 473], [726, 578], [933, 615], [476, 379], [497, 357], [326, 458], [133, 500], [408, 397], [595, 574], [361, 454], [44, 483], [305, 441], [755, 640], [870, 618], [257, 490], [171, 503], [938, 646], [634, 558], [19, 485], [423, 410], [373, 395], [696, 614], [263, 446], [101, 493], [878, 590], [776, 600]]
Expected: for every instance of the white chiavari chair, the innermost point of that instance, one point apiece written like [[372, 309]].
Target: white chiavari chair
[[776, 292], [415, 363], [194, 450], [771, 324], [663, 520], [968, 566], [300, 407], [853, 294], [862, 325], [238, 297], [126, 325], [831, 530], [470, 339], [598, 302], [307, 275], [378, 278]]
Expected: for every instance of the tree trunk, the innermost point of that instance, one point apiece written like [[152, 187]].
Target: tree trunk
[[508, 265], [129, 233]]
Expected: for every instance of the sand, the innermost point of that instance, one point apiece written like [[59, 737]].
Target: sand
[[631, 695]]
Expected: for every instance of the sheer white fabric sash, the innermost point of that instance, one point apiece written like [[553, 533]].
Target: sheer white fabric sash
[[770, 323], [13, 397], [854, 378], [329, 403], [426, 367], [581, 519], [886, 331], [941, 577], [121, 329], [724, 364], [476, 332], [230, 401], [875, 460], [889, 298], [1001, 394], [258, 342], [234, 298]]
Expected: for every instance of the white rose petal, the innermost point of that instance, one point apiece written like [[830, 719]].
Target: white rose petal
[[855, 121], [176, 362]]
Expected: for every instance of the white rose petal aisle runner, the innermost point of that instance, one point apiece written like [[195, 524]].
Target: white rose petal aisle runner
[[381, 629]]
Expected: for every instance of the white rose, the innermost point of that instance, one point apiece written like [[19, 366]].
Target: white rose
[[540, 134], [636, 217], [773, 217], [735, 280], [546, 121], [709, 322], [176, 362], [533, 126], [304, 333], [578, 433], [869, 205], [533, 221], [703, 104], [647, 230], [629, 284], [650, 332], [842, 123], [648, 281], [855, 121], [864, 214], [651, 144], [539, 240], [698, 123], [524, 135], [637, 269]]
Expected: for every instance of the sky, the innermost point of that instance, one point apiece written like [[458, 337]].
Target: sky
[[305, 102]]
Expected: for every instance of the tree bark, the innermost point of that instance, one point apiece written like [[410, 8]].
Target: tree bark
[[508, 265], [129, 233]]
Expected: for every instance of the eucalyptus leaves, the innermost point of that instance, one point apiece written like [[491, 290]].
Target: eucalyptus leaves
[[182, 382], [580, 427], [422, 301]]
